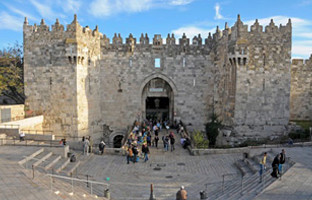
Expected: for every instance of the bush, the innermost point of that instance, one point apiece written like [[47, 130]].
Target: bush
[[300, 135], [200, 141], [212, 129]]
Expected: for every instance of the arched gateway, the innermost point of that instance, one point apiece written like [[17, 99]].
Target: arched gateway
[[158, 98]]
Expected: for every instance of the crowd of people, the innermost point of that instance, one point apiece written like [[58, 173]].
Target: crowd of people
[[146, 134]]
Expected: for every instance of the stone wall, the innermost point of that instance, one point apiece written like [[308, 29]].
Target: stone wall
[[82, 82], [17, 112], [301, 89], [262, 80]]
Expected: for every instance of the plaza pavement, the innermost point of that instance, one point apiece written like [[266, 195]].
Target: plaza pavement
[[167, 171]]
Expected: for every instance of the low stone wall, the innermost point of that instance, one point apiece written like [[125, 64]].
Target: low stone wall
[[61, 150], [78, 146], [202, 152], [39, 137], [2, 139]]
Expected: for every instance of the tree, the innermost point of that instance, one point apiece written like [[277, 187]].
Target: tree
[[12, 74], [212, 129]]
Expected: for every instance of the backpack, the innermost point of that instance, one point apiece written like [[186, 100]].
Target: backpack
[[135, 150], [73, 158]]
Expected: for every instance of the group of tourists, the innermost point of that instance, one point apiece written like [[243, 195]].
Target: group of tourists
[[146, 134], [277, 164]]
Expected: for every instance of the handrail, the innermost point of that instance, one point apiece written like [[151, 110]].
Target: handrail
[[76, 179], [9, 125]]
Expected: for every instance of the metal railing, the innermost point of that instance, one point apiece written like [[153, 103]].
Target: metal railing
[[15, 126], [89, 183], [37, 132], [29, 142]]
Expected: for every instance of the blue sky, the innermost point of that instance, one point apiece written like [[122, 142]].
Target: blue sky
[[159, 17]]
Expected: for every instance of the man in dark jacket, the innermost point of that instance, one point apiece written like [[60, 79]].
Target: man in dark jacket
[[275, 164], [282, 161]]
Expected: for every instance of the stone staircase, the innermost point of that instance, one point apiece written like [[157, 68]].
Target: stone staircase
[[45, 162], [248, 186]]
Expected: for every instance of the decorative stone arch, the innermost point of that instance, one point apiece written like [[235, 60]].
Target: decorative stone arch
[[162, 76], [113, 136], [173, 95]]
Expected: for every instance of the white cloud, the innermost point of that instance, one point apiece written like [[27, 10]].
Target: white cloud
[[45, 10], [100, 8], [180, 2], [218, 14], [70, 5], [21, 13], [191, 31], [108, 7], [10, 22]]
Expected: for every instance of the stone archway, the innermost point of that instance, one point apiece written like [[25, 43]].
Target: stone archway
[[158, 99], [117, 141]]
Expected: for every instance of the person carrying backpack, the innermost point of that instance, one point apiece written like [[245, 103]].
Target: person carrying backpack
[[102, 147], [135, 153]]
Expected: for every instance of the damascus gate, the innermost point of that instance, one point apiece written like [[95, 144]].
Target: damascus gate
[[87, 84]]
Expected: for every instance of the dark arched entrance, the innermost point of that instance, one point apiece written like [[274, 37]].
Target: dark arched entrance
[[117, 141], [157, 100]]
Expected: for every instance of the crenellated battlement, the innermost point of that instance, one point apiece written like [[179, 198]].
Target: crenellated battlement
[[302, 64], [239, 33]]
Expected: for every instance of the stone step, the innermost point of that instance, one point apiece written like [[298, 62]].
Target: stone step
[[51, 162], [28, 158], [63, 163], [43, 159]]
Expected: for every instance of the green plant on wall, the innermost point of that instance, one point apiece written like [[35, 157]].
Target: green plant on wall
[[212, 129], [199, 139]]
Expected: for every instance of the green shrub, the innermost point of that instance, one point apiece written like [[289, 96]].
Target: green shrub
[[199, 140]]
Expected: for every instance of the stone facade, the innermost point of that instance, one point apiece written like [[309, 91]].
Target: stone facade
[[82, 82], [301, 89]]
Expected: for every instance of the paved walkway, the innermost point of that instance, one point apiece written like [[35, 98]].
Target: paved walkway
[[14, 185], [166, 170]]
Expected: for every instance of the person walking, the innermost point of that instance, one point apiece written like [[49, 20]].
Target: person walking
[[166, 143], [275, 164], [262, 165], [172, 141], [102, 147], [282, 161], [181, 194], [156, 141], [86, 145], [145, 150], [135, 153], [129, 154]]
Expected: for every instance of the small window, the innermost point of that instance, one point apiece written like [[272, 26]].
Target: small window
[[157, 62], [183, 62], [130, 62]]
